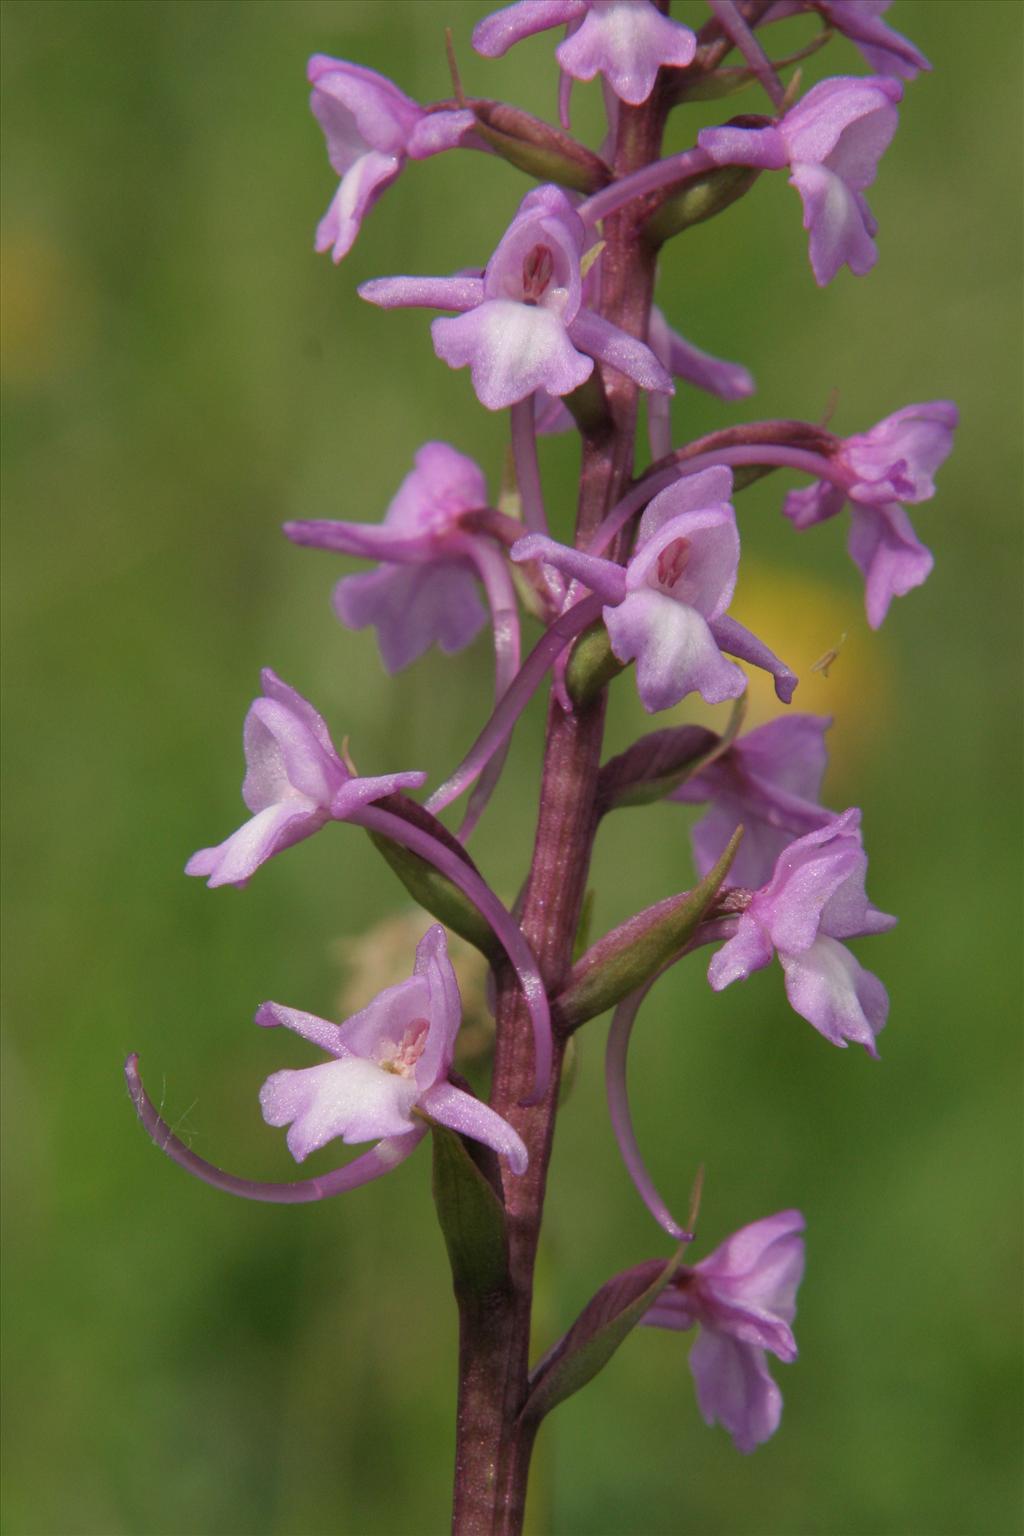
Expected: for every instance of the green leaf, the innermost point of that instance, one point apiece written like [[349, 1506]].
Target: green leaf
[[472, 1218], [607, 1319], [634, 952]]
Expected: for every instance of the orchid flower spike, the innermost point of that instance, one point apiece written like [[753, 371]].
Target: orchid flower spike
[[887, 52], [814, 899], [626, 41], [667, 609], [387, 1079], [424, 589], [743, 1299], [768, 782], [832, 141], [892, 463], [371, 128], [522, 326], [295, 782]]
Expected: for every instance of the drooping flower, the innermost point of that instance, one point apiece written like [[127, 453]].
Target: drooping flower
[[768, 782], [389, 1060], [815, 899], [892, 463], [667, 609], [626, 41], [743, 1299], [887, 52], [522, 326], [371, 128], [832, 141], [387, 1079], [424, 590], [295, 782]]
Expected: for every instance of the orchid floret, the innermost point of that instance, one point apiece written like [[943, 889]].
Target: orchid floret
[[424, 590], [295, 782], [814, 899], [371, 128], [387, 1080], [389, 1068], [879, 470], [831, 141], [768, 782], [742, 1297], [523, 326], [666, 610]]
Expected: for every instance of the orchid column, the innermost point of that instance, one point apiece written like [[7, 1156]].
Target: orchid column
[[559, 332]]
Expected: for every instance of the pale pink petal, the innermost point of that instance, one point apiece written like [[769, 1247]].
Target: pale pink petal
[[674, 649], [511, 350], [735, 1388], [350, 1098], [236, 860], [828, 986]]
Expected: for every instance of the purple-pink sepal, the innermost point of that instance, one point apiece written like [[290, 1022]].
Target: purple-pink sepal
[[815, 899], [743, 1298], [294, 783], [832, 141]]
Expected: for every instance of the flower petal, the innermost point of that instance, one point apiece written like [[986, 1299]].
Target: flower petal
[[444, 1007], [883, 545], [835, 217], [350, 1098], [511, 350], [747, 951], [615, 347], [496, 34], [675, 651], [626, 41], [735, 1389], [236, 860], [738, 641], [461, 1112], [829, 988], [359, 189], [413, 607]]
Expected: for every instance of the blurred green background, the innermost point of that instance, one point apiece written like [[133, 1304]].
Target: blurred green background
[[181, 374]]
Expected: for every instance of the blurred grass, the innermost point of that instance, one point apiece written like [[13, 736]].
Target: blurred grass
[[180, 375]]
